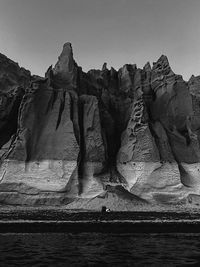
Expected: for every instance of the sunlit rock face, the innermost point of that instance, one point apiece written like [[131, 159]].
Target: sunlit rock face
[[44, 153], [38, 155], [122, 138]]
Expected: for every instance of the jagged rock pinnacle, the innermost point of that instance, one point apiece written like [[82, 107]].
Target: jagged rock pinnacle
[[65, 62], [66, 68]]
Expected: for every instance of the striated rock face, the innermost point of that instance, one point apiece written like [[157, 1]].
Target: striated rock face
[[13, 82], [123, 138]]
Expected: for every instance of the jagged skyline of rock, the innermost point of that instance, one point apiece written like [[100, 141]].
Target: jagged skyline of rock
[[119, 32], [72, 136]]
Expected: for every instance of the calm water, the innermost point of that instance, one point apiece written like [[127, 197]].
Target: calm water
[[93, 249]]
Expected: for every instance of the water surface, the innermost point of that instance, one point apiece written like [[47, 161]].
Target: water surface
[[97, 249]]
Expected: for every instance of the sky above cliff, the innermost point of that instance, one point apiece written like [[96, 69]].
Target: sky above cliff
[[32, 32]]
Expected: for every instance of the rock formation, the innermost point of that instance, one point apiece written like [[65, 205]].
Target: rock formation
[[81, 139]]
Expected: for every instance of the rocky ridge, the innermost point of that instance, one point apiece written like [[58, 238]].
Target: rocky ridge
[[71, 137]]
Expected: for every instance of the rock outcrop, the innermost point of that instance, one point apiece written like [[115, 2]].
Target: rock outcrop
[[13, 82], [85, 139]]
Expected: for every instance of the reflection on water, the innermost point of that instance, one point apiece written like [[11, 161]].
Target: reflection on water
[[97, 249]]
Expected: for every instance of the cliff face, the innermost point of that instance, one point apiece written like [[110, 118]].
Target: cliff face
[[129, 136], [13, 81]]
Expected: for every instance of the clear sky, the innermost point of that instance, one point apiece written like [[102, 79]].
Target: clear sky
[[32, 32]]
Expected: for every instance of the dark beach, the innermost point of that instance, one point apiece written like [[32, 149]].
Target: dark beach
[[36, 220]]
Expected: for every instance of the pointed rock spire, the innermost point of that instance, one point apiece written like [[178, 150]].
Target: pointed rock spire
[[65, 60], [66, 68], [147, 67], [162, 65], [104, 67]]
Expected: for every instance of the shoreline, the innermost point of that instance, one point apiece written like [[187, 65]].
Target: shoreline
[[52, 219]]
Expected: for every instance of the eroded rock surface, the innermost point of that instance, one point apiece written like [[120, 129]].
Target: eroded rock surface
[[13, 82], [82, 139]]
